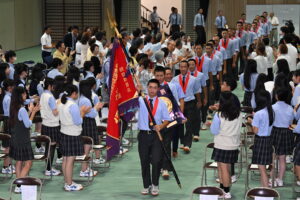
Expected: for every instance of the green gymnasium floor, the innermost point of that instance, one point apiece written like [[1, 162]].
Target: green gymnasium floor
[[123, 179]]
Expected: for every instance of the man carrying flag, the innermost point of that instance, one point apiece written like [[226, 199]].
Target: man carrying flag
[[149, 145]]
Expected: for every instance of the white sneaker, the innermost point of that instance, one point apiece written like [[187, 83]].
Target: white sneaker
[[88, 173], [99, 161], [8, 170], [154, 190], [279, 182], [204, 127], [123, 150], [298, 183], [146, 191], [125, 141], [288, 159], [233, 179], [165, 174], [40, 150], [18, 190], [196, 138], [270, 183], [59, 160], [227, 195], [53, 171], [73, 187]]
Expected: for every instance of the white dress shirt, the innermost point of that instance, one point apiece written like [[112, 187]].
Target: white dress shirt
[[293, 54], [46, 40]]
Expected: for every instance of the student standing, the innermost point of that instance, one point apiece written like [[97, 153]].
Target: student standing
[[262, 125], [226, 127], [248, 81], [7, 88], [71, 144], [20, 122], [89, 127], [282, 136], [50, 123]]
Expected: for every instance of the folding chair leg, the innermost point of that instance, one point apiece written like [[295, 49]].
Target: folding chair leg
[[202, 177]]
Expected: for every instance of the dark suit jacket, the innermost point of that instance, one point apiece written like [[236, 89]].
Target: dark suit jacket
[[68, 40]]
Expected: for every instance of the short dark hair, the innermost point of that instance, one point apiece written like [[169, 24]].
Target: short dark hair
[[160, 69], [154, 7], [184, 61], [239, 22], [99, 36], [75, 27], [243, 14], [139, 42], [210, 45], [266, 41], [87, 65], [230, 82], [59, 44], [93, 47], [56, 62], [168, 68], [211, 41], [192, 59], [9, 54], [153, 81], [46, 28], [137, 32], [133, 50], [296, 73], [147, 38]]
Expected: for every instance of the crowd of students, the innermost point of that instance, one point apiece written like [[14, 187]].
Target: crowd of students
[[69, 90]]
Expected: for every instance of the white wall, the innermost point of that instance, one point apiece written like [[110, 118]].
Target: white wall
[[163, 7]]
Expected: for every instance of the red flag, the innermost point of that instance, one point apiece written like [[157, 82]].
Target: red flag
[[123, 98]]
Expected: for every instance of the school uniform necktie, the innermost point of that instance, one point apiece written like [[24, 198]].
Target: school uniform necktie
[[240, 34], [151, 109], [192, 73], [176, 19], [183, 81], [221, 21], [201, 22]]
